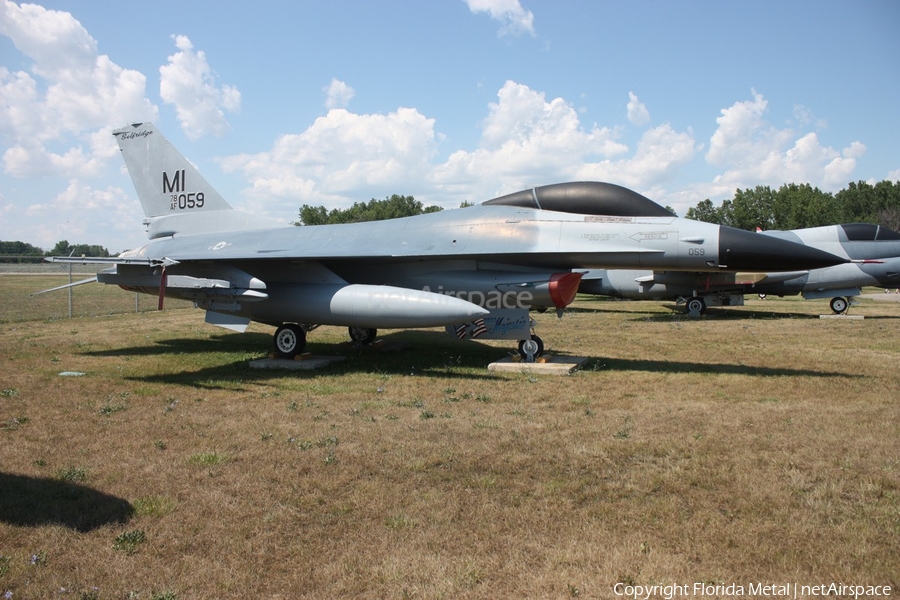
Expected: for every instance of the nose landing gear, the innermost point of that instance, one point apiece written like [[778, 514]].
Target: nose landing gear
[[531, 349]]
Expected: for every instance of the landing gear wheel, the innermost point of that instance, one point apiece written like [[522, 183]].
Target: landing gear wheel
[[839, 305], [534, 346], [290, 340], [363, 335], [696, 305]]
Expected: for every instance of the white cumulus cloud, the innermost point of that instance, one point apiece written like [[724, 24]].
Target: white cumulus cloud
[[55, 119], [527, 139], [659, 154], [84, 210], [342, 158], [515, 19], [338, 94], [754, 152], [191, 86], [637, 112]]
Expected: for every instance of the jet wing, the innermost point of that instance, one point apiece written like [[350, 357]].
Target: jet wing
[[101, 260], [485, 236], [112, 260]]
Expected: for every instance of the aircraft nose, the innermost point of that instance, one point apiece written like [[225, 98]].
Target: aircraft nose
[[744, 250]]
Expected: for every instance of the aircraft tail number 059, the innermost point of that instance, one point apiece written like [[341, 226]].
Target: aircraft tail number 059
[[178, 199]]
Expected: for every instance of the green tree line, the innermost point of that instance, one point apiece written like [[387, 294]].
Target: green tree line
[[13, 251], [375, 210], [795, 206], [792, 206]]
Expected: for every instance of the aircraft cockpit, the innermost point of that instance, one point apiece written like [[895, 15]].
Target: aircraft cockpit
[[868, 232], [585, 197]]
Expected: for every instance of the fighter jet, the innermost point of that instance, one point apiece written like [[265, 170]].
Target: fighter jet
[[874, 251], [478, 271]]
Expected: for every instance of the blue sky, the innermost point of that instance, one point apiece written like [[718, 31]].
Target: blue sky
[[281, 103]]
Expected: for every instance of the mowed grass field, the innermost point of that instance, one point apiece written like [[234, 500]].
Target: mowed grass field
[[17, 302], [754, 444]]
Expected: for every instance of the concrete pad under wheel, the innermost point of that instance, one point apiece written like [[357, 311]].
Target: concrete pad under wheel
[[554, 365], [301, 363], [843, 317]]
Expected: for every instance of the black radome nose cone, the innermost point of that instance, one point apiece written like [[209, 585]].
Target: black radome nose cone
[[746, 251]]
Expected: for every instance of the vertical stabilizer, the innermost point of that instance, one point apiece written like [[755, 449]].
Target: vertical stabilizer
[[176, 199], [165, 181]]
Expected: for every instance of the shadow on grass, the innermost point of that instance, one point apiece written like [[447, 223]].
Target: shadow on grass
[[743, 314], [659, 366], [678, 312], [229, 342], [425, 353], [35, 501], [724, 314]]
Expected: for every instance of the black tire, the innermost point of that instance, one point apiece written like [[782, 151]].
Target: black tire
[[290, 340], [363, 335], [535, 343], [839, 305], [697, 305]]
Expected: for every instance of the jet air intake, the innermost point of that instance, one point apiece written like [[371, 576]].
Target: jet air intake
[[745, 251]]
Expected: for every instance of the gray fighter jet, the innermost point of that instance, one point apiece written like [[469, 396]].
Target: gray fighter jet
[[874, 251], [477, 271]]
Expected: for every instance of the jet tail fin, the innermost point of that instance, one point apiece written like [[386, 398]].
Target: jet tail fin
[[176, 199]]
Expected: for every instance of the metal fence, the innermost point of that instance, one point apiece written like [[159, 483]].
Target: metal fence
[[19, 281]]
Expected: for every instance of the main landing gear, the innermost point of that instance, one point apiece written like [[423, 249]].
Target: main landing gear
[[363, 335], [696, 306], [290, 340], [840, 305]]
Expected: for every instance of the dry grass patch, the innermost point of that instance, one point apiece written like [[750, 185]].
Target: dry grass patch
[[753, 444]]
